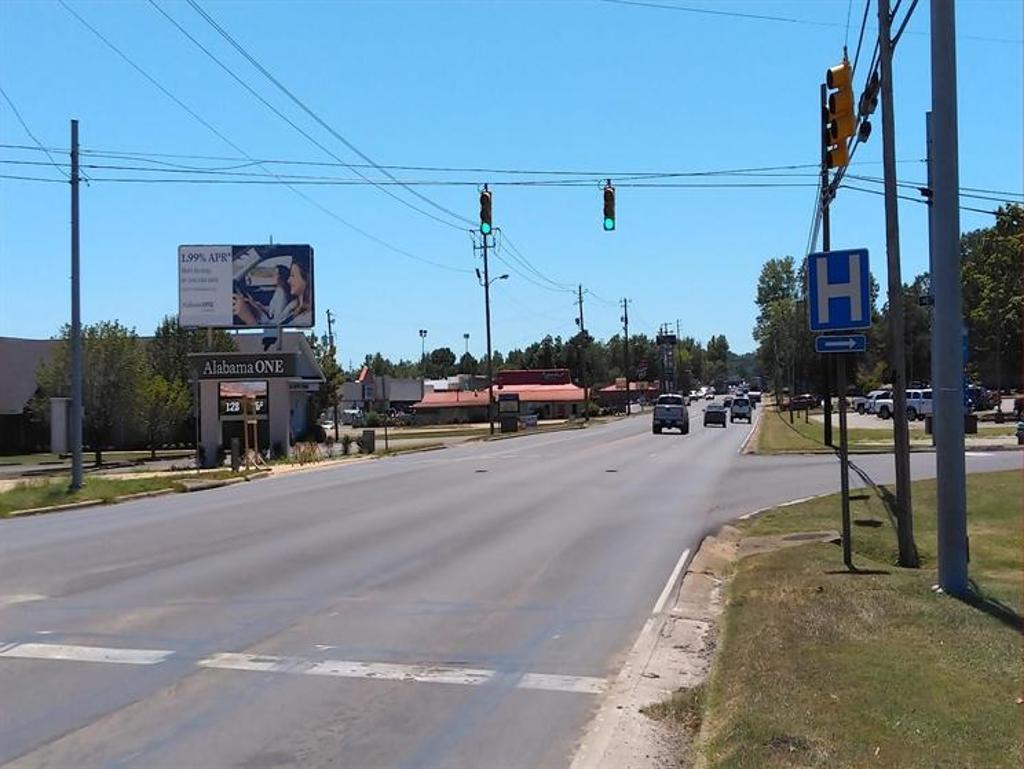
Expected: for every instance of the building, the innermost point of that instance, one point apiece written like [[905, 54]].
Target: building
[[614, 395], [547, 393], [370, 392], [20, 359]]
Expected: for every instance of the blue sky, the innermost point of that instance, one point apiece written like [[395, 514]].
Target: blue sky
[[592, 86]]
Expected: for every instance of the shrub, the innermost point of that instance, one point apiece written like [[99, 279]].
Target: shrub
[[346, 444], [373, 419]]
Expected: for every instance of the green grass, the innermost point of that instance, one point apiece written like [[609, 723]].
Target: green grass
[[44, 493], [818, 668], [777, 436]]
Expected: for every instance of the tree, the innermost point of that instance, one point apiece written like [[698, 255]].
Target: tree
[[171, 345], [163, 406], [113, 367], [718, 359], [468, 364], [993, 279], [326, 397], [440, 363]]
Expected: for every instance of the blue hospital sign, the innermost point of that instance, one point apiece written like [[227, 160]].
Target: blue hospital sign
[[837, 290]]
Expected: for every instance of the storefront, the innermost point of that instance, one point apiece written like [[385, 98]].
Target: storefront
[[269, 391]]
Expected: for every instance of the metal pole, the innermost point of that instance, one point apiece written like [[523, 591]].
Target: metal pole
[[330, 337], [826, 245], [583, 359], [625, 322], [844, 464], [76, 323], [901, 432], [490, 361], [948, 419]]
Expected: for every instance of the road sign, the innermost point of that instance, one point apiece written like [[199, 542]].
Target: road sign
[[837, 290], [844, 343]]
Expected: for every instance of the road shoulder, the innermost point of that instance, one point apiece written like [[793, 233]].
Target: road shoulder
[[673, 653]]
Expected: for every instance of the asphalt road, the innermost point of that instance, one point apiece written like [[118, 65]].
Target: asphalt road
[[461, 608]]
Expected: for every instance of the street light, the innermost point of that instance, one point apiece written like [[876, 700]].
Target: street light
[[486, 282], [423, 353]]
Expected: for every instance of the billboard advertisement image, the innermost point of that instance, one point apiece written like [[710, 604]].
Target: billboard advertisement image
[[245, 286]]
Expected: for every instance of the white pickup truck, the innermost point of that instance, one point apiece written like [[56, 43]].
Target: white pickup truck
[[919, 404], [670, 411]]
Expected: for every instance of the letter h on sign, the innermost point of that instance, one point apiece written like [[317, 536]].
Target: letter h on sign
[[838, 293]]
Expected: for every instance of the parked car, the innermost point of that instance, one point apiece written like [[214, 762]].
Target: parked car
[[670, 412], [982, 399], [715, 414], [740, 409], [801, 402], [862, 403], [919, 404]]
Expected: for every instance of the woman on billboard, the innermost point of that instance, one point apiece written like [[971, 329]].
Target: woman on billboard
[[290, 305]]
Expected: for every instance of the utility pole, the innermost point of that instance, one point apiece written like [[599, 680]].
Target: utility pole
[[465, 337], [334, 394], [76, 324], [583, 355], [947, 372], [490, 361], [625, 359], [901, 434], [826, 245]]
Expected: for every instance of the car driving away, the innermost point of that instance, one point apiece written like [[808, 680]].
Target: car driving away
[[739, 409], [714, 414], [670, 412]]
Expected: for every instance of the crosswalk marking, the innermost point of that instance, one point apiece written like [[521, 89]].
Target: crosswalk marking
[[263, 663], [85, 653]]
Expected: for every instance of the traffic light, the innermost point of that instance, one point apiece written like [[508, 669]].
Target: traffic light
[[485, 212], [841, 122], [609, 207]]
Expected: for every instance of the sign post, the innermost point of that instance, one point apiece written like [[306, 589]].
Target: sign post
[[839, 298]]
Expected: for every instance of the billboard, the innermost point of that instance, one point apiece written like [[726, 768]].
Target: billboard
[[245, 286]]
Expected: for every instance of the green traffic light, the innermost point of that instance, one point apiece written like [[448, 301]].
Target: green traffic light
[[609, 224], [485, 228]]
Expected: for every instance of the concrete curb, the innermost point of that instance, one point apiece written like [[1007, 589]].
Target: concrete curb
[[200, 486], [674, 651], [90, 503]]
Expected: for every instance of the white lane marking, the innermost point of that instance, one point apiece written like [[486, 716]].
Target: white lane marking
[[389, 671], [750, 432], [554, 683], [790, 503], [11, 600], [977, 453], [86, 654], [671, 581]]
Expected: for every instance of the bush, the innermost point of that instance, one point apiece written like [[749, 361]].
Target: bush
[[329, 444], [306, 453], [346, 444], [373, 419]]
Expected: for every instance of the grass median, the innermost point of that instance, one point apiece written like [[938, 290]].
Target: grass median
[[33, 494], [820, 668]]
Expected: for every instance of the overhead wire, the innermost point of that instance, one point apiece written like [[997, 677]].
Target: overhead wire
[[292, 123], [312, 201], [32, 136], [305, 108]]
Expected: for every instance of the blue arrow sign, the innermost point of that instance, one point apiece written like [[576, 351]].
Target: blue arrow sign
[[845, 343], [838, 294]]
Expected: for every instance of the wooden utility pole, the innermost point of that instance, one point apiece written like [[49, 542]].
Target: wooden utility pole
[[908, 556]]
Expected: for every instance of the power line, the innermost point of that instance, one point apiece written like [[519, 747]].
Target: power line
[[860, 37], [784, 19], [298, 102], [31, 135], [242, 152], [289, 121]]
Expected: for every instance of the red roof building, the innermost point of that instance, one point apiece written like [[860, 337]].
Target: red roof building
[[548, 393]]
